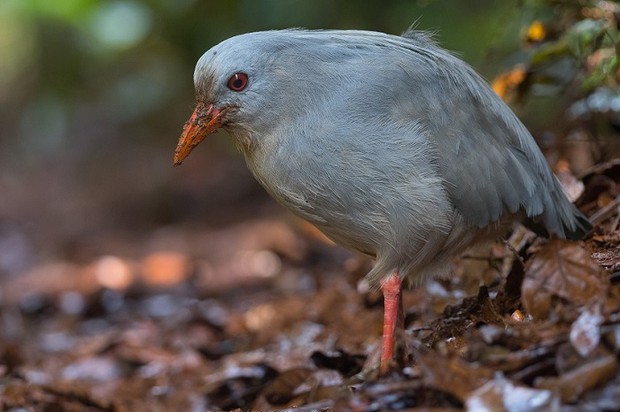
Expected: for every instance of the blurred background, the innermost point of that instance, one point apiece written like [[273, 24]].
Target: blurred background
[[93, 96]]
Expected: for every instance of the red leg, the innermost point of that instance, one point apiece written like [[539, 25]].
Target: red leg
[[392, 317]]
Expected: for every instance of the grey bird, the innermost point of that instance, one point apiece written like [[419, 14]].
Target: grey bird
[[390, 145]]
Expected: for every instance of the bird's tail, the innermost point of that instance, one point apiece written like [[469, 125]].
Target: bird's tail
[[560, 217]]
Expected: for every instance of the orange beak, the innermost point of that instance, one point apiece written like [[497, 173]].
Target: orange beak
[[204, 121]]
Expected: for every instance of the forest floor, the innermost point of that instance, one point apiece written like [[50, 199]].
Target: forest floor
[[267, 315]]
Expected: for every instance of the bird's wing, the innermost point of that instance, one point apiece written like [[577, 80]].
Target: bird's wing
[[489, 161]]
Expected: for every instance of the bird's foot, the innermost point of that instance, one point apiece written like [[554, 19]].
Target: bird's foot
[[393, 319]]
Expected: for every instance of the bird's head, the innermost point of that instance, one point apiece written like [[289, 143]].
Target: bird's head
[[240, 86]]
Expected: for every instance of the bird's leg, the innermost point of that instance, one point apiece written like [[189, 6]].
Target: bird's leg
[[393, 320]]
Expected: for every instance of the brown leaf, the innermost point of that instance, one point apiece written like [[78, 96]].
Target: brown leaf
[[288, 385], [453, 375], [572, 384], [297, 386], [564, 270]]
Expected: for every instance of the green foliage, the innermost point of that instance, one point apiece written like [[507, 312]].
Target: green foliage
[[587, 36]]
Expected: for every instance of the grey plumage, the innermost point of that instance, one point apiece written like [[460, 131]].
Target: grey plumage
[[390, 145]]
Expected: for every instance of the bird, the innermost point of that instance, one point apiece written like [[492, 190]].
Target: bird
[[390, 145]]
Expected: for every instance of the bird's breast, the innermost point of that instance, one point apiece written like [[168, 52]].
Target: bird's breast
[[319, 191], [362, 192]]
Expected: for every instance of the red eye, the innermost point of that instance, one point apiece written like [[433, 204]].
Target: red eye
[[238, 82]]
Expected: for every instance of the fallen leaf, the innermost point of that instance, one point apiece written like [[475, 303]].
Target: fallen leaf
[[288, 385], [585, 333], [573, 187], [561, 269], [240, 390], [572, 384], [502, 395], [518, 316], [453, 375]]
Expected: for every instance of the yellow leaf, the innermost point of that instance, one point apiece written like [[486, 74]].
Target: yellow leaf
[[508, 81], [536, 32]]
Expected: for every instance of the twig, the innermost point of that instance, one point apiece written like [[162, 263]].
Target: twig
[[605, 212]]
